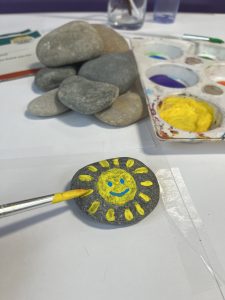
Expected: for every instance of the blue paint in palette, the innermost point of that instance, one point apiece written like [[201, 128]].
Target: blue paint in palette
[[167, 81], [157, 57]]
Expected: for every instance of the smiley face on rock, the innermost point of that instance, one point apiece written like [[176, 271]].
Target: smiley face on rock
[[122, 191], [116, 186]]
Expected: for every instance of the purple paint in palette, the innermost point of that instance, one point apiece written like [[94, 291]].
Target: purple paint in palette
[[167, 81]]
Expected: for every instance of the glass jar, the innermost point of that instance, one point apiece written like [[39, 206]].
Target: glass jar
[[126, 14]]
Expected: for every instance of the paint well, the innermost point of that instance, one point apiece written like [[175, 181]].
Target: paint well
[[187, 113], [172, 76], [167, 81]]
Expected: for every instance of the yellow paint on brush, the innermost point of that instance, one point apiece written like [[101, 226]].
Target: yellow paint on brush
[[69, 195], [129, 163], [88, 192], [141, 170], [139, 209], [85, 178], [94, 207], [110, 215], [146, 183], [145, 197], [104, 163], [187, 113], [128, 214]]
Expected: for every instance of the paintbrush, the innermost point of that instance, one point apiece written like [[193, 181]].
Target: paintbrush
[[190, 37], [24, 205], [130, 5]]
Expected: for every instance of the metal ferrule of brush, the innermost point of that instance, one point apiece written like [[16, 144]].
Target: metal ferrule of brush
[[20, 206]]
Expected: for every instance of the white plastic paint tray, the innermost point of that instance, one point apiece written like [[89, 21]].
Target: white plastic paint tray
[[199, 70]]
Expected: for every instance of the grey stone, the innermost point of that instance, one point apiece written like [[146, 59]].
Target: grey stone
[[125, 110], [112, 41], [118, 69], [47, 105], [137, 88], [73, 42], [124, 189], [48, 79], [86, 96]]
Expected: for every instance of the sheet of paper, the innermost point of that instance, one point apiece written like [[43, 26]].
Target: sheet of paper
[[18, 56]]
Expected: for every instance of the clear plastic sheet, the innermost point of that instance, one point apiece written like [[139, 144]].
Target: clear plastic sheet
[[180, 208]]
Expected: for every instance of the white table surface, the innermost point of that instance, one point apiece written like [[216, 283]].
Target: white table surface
[[54, 253]]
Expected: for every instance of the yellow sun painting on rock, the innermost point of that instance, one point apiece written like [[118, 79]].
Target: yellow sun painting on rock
[[121, 190]]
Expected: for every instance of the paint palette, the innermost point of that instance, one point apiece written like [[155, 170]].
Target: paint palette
[[182, 69]]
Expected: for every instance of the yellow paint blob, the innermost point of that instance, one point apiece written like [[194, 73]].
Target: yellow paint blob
[[85, 178], [187, 113], [110, 215], [94, 207], [145, 197], [116, 162], [128, 214], [129, 163], [141, 170], [139, 209], [104, 163], [147, 183], [92, 169]]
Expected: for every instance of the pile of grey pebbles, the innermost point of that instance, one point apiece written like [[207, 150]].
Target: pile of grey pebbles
[[88, 69]]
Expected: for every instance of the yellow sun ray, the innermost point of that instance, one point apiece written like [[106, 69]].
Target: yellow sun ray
[[145, 197], [141, 170], [85, 178], [94, 207], [110, 215], [104, 163], [139, 209], [90, 191], [92, 169], [116, 162], [147, 183], [128, 214], [129, 163]]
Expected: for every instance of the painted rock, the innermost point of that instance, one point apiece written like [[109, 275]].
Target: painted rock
[[86, 96], [118, 69], [125, 110], [112, 41], [122, 191], [73, 42], [48, 79], [47, 105]]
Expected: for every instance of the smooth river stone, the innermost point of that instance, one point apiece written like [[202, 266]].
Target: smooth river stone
[[73, 42], [113, 41], [47, 105], [86, 96], [125, 110], [118, 69], [122, 191], [48, 79]]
